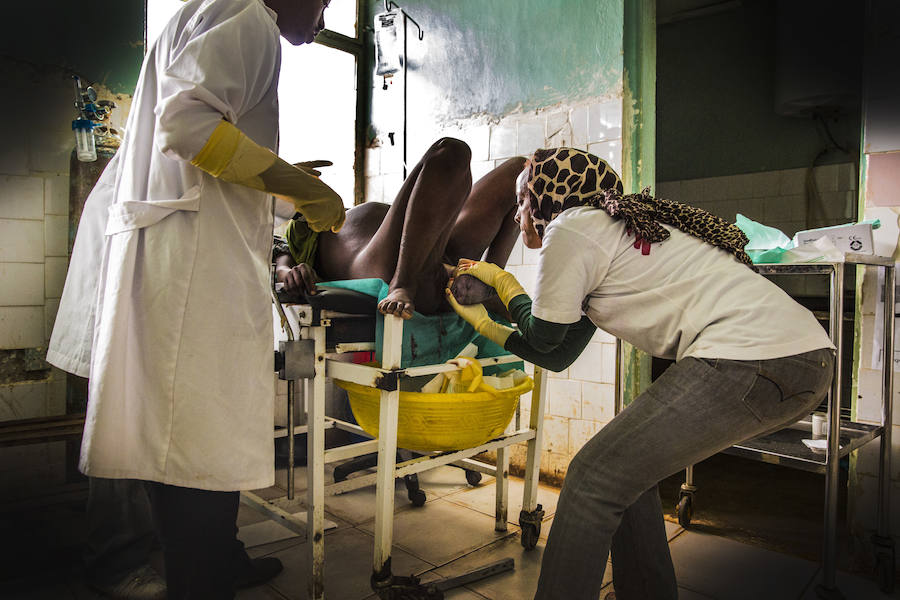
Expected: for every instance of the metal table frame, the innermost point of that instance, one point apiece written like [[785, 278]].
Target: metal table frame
[[320, 363], [785, 447]]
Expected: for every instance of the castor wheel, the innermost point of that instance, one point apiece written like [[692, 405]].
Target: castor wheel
[[473, 477], [530, 522], [530, 535], [417, 497], [685, 510]]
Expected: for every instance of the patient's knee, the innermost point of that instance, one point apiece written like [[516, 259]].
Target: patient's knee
[[449, 153]]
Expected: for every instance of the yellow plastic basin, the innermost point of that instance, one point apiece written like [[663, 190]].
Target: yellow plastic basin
[[439, 421]]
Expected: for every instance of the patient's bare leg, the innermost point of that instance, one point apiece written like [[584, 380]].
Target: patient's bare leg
[[413, 236], [485, 230]]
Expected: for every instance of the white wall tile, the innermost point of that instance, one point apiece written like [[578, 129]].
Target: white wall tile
[[56, 393], [588, 366], [559, 129], [727, 209], [392, 184], [527, 275], [776, 210], [531, 135], [374, 189], [610, 151], [481, 168], [556, 434], [51, 307], [515, 257], [564, 374], [826, 178], [55, 276], [564, 398], [56, 235], [56, 195], [605, 121], [21, 197], [25, 400], [848, 177], [766, 184], [530, 256], [478, 137], [752, 208], [503, 140], [21, 284], [739, 186], [373, 162], [580, 432], [792, 182], [21, 241], [14, 157], [21, 327], [579, 119], [598, 402]]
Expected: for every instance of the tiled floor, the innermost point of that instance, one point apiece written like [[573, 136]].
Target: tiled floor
[[454, 532]]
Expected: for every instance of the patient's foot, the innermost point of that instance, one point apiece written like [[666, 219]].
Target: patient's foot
[[398, 302]]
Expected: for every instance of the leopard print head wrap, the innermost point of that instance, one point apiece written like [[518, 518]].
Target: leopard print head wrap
[[562, 178]]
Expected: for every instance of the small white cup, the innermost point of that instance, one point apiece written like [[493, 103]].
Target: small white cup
[[819, 425]]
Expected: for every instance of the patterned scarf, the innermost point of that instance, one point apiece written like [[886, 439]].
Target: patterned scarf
[[561, 178]]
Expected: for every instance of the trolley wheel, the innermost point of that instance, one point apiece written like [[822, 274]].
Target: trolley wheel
[[473, 477], [884, 573], [530, 535], [685, 510], [417, 497]]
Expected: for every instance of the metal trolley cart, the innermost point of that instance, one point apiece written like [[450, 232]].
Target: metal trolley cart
[[843, 436], [313, 356]]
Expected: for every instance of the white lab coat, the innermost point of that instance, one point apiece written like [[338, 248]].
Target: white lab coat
[[180, 360]]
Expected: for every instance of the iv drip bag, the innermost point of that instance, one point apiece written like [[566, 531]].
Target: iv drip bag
[[387, 43]]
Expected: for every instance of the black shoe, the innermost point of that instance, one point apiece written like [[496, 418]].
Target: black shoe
[[259, 571]]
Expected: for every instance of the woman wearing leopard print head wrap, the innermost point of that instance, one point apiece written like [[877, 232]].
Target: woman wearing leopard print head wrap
[[673, 281]]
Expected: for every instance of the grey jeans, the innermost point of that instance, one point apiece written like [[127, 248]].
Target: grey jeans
[[609, 501]]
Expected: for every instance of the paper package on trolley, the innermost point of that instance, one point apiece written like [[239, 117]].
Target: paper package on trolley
[[852, 237]]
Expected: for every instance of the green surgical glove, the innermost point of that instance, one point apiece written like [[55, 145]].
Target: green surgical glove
[[231, 156], [477, 316], [505, 283]]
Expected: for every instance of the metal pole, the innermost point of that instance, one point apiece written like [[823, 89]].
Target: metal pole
[[315, 462], [832, 473], [887, 423], [387, 451], [290, 437], [404, 92], [619, 386]]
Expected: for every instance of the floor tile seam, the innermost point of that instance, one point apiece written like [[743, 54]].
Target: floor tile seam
[[469, 553], [396, 545]]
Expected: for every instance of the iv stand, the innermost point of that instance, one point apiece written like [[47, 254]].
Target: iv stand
[[388, 4]]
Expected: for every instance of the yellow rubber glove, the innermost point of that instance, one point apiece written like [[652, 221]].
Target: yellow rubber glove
[[477, 316], [505, 283], [231, 156]]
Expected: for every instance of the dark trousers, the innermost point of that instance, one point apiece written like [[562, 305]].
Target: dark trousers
[[197, 529], [120, 529]]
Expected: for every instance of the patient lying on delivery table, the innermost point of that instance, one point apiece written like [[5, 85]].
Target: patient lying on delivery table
[[437, 218]]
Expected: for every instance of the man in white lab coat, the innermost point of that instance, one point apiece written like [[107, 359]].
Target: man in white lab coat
[[168, 321]]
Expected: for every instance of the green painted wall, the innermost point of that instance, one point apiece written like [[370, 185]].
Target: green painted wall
[[102, 40], [716, 98], [489, 57]]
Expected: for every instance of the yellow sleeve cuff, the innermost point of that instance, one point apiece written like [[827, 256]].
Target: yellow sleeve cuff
[[219, 149]]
